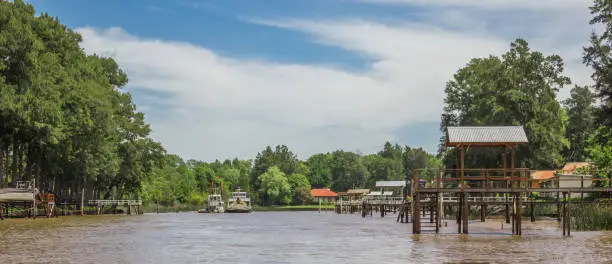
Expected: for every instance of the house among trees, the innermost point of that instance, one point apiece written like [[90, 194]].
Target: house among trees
[[540, 176], [571, 170], [571, 167], [323, 195]]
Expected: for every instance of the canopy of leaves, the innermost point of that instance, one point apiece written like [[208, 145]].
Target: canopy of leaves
[[581, 122], [517, 89], [274, 187], [63, 119]]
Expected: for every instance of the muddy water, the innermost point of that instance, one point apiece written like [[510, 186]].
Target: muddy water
[[291, 237]]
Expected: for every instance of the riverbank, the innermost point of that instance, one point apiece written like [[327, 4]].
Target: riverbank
[[292, 208]]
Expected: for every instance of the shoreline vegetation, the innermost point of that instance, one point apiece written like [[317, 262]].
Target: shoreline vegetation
[[68, 124]]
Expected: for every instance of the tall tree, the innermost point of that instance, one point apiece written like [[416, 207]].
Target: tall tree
[[517, 89], [581, 122], [320, 170], [598, 56]]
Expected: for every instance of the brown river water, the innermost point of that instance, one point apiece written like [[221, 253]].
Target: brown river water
[[285, 237]]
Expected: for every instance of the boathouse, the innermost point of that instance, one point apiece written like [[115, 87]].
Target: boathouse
[[323, 195]]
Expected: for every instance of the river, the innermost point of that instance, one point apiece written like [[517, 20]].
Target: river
[[282, 237]]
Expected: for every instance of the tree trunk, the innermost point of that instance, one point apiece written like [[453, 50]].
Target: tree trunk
[[1, 165], [82, 199], [14, 161], [29, 164], [20, 164]]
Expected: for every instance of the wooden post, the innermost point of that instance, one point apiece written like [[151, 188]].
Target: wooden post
[[532, 211], [482, 212], [564, 220], [459, 209], [513, 215], [558, 208], [462, 168], [569, 213], [507, 213], [581, 186], [505, 165], [432, 205], [82, 199], [466, 211], [438, 209], [416, 215], [519, 214]]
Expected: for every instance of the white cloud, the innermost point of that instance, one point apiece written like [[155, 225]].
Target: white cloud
[[224, 107], [491, 4]]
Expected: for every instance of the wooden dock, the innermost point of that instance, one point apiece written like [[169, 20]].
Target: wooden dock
[[425, 200], [132, 206]]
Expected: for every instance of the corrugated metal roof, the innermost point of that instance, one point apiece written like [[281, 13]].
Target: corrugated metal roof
[[358, 191], [475, 135], [390, 184], [376, 193]]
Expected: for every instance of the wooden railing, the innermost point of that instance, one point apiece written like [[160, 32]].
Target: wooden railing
[[494, 179], [114, 202]]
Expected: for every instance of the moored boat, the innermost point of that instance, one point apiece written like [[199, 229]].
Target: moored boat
[[239, 203], [215, 202]]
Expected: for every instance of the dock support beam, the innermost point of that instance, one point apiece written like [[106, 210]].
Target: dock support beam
[[483, 209], [466, 213]]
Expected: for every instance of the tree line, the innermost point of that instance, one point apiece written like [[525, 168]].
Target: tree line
[[67, 123], [276, 176]]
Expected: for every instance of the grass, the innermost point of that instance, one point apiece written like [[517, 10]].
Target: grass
[[285, 208], [593, 217], [153, 208]]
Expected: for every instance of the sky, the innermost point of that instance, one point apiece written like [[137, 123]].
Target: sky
[[224, 79]]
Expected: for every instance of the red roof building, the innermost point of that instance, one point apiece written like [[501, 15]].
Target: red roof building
[[323, 195], [541, 175]]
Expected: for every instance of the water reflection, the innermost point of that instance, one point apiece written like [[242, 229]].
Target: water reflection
[[294, 237]]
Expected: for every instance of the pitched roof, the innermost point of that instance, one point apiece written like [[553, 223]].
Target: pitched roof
[[390, 183], [485, 135], [380, 193], [323, 193], [358, 191], [571, 167], [542, 174]]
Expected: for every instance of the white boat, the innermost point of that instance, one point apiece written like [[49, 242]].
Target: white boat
[[215, 203], [239, 203]]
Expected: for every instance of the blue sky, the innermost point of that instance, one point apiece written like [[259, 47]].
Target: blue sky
[[223, 79]]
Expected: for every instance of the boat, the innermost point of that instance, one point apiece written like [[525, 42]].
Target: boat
[[239, 203], [215, 203]]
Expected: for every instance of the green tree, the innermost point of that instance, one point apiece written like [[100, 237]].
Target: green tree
[[598, 56], [274, 187], [299, 184], [581, 122], [320, 170], [517, 89], [347, 171]]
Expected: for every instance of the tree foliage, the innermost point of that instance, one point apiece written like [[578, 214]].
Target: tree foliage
[[274, 187], [581, 122], [518, 88], [64, 119]]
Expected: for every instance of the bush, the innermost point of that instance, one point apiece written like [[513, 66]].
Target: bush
[[196, 199]]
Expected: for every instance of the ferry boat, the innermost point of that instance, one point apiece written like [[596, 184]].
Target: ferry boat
[[239, 203], [215, 202]]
